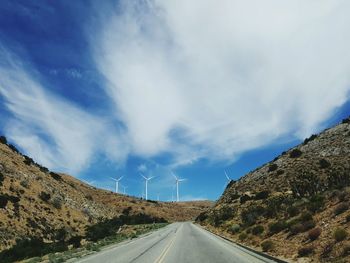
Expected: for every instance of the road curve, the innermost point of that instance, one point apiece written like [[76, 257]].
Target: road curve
[[176, 243]]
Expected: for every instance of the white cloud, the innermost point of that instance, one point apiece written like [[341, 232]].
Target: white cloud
[[203, 79], [142, 168], [52, 130]]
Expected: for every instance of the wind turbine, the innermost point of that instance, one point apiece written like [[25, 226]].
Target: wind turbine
[[177, 186], [146, 182], [124, 187], [117, 183], [228, 178]]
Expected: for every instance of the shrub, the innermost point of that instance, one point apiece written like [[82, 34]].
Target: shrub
[[262, 195], [324, 164], [346, 250], [44, 196], [3, 140], [347, 218], [292, 211], [341, 195], [245, 198], [316, 203], [250, 215], [272, 167], [279, 172], [306, 216], [340, 234], [314, 233], [1, 178], [305, 251], [277, 226], [347, 120], [295, 153], [341, 208], [57, 202], [309, 225], [311, 138], [267, 245], [13, 148], [234, 229], [297, 228], [242, 236], [56, 176], [24, 183], [257, 230], [28, 160]]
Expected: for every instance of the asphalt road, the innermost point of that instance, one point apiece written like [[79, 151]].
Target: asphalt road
[[176, 243]]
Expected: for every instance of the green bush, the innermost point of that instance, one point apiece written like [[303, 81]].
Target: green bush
[[347, 218], [305, 251], [340, 234], [57, 202], [267, 245], [346, 250], [306, 216], [272, 167], [311, 138], [341, 208], [242, 236], [277, 227], [257, 230], [250, 215], [293, 211], [1, 178], [262, 195], [234, 229], [44, 196], [324, 164], [295, 153], [316, 203], [28, 248], [3, 140]]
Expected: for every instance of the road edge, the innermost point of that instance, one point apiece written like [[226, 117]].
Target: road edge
[[262, 254]]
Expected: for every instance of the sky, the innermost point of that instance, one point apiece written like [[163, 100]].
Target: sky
[[101, 89]]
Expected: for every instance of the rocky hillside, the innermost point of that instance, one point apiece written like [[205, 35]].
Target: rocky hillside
[[295, 206], [35, 202]]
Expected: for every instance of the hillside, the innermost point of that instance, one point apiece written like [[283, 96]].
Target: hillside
[[35, 202], [295, 206]]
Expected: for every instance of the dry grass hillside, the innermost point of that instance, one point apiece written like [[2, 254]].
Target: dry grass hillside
[[296, 206], [35, 202]]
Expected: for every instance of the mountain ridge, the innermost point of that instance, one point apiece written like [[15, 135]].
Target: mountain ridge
[[38, 203], [299, 199]]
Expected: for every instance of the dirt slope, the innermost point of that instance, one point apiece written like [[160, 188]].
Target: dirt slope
[[295, 206], [37, 202]]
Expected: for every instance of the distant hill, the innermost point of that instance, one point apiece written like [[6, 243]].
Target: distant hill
[[295, 206], [35, 202]]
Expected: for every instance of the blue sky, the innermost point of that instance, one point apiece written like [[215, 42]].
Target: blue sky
[[121, 87]]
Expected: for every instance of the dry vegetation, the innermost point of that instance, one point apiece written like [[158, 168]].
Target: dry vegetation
[[296, 206], [37, 203]]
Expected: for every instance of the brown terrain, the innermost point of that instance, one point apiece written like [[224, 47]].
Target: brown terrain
[[295, 207], [35, 202]]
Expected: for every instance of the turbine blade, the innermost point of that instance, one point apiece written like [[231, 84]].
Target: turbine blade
[[228, 178], [120, 178], [113, 179]]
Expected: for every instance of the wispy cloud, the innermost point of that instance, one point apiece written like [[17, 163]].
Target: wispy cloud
[[200, 79], [49, 128]]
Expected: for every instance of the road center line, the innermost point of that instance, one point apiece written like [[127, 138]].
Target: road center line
[[167, 248]]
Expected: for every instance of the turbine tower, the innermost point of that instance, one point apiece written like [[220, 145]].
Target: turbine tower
[[117, 183], [146, 182], [177, 180]]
